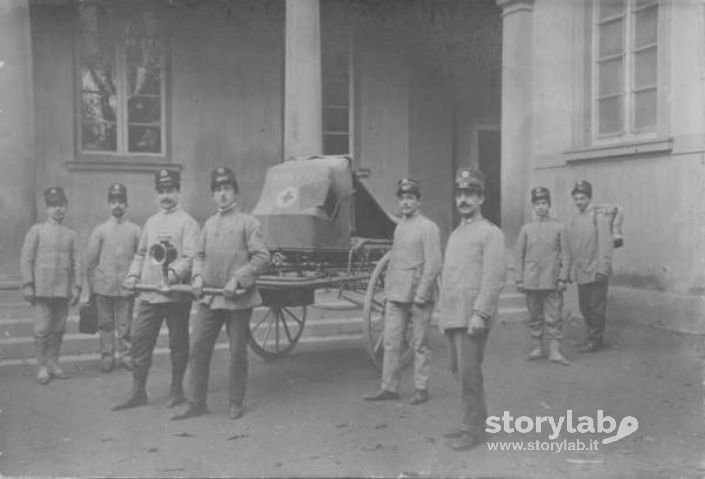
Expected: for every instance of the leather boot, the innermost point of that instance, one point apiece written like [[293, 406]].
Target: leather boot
[[176, 391], [43, 376], [138, 395], [536, 349], [54, 347], [554, 353]]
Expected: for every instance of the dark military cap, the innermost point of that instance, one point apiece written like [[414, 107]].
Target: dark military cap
[[55, 195], [470, 179], [540, 193], [117, 191], [409, 185], [583, 187], [223, 176], [164, 178]]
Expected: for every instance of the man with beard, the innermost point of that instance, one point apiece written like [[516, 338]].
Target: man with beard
[[177, 228], [231, 254], [590, 245], [474, 273], [51, 281], [111, 248], [410, 291]]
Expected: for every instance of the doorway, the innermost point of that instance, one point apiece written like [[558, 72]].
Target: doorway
[[489, 141]]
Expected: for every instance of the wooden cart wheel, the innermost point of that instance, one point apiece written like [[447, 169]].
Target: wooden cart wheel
[[373, 319], [275, 334]]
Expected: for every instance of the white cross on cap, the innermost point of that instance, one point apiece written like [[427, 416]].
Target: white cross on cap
[[465, 174]]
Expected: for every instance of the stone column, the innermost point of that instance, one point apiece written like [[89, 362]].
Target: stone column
[[17, 159], [302, 90], [517, 148]]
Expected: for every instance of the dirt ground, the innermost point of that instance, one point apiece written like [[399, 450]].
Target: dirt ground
[[305, 416]]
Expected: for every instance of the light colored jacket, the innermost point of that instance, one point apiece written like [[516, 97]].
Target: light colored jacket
[[49, 262], [415, 262], [590, 245], [231, 246], [111, 247], [182, 231], [474, 273], [542, 255]]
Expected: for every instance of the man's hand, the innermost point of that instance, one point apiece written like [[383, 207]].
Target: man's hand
[[130, 283], [599, 277], [476, 325], [419, 302], [562, 285], [230, 288], [171, 277], [75, 296], [28, 293], [520, 287], [197, 286]]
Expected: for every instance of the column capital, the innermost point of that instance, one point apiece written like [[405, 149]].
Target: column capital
[[514, 6]]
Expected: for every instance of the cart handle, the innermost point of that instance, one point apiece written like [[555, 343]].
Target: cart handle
[[181, 288]]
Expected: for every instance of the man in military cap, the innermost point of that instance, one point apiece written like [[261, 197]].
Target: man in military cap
[[474, 273], [542, 267], [231, 254], [111, 247], [410, 292], [590, 245], [51, 281], [173, 225]]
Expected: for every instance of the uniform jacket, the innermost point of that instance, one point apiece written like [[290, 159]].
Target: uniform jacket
[[590, 245], [182, 231], [415, 261], [50, 262], [111, 247], [542, 255], [231, 245], [474, 273]]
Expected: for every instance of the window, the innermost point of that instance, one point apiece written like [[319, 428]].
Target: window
[[625, 67], [337, 92], [120, 76]]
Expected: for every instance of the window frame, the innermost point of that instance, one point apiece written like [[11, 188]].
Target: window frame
[[628, 130], [350, 107], [122, 158]]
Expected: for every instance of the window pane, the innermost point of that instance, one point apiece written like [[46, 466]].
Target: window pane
[[145, 139], [144, 110], [98, 137], [144, 69], [610, 8], [335, 94], [144, 80], [611, 79], [94, 17], [645, 109], [96, 108], [610, 116], [336, 144], [335, 119], [645, 27], [645, 68], [611, 38]]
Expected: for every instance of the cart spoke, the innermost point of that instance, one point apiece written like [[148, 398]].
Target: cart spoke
[[286, 329], [264, 318], [293, 316], [379, 345]]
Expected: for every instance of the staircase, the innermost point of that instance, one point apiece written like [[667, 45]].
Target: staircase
[[330, 320]]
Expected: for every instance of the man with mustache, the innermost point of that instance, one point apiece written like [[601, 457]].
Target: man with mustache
[[410, 292], [173, 225], [51, 281], [111, 248], [474, 273]]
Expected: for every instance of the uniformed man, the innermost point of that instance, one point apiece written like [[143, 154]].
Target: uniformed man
[[410, 292], [474, 273], [51, 281], [111, 247], [542, 268], [590, 245], [231, 254], [176, 227]]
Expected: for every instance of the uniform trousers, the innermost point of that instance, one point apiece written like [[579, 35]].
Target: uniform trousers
[[114, 321], [206, 330], [466, 355], [397, 319], [545, 307], [49, 325], [592, 300]]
